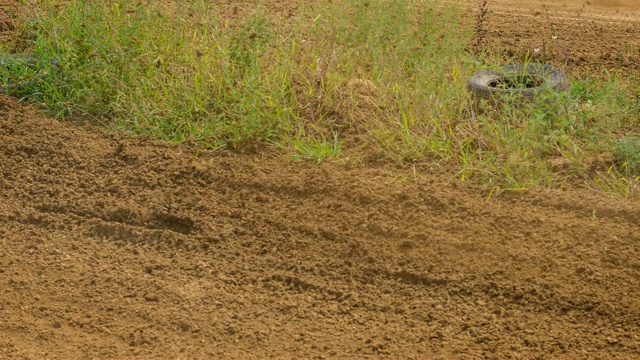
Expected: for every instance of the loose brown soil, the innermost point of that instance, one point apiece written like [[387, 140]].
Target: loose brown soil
[[115, 246]]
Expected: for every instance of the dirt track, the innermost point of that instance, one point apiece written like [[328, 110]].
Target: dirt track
[[115, 246]]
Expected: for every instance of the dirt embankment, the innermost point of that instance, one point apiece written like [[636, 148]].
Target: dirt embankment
[[114, 246]]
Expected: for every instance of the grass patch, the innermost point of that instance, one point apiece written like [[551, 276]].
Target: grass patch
[[626, 153], [316, 149], [336, 77], [177, 74]]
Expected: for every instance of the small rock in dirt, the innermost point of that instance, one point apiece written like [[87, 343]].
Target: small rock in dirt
[[151, 297]]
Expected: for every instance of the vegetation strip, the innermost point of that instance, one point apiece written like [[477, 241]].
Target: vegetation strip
[[336, 79]]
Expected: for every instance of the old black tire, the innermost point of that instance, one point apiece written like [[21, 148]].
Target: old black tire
[[482, 85]]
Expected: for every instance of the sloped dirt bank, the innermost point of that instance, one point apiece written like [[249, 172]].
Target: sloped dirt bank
[[117, 246]]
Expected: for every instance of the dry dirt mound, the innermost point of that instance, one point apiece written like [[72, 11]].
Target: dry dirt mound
[[115, 246]]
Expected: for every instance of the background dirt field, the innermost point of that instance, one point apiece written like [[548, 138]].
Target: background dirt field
[[115, 246], [585, 37]]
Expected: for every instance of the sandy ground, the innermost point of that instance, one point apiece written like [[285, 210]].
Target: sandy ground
[[116, 246]]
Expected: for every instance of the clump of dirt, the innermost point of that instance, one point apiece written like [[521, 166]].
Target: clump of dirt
[[364, 104]]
